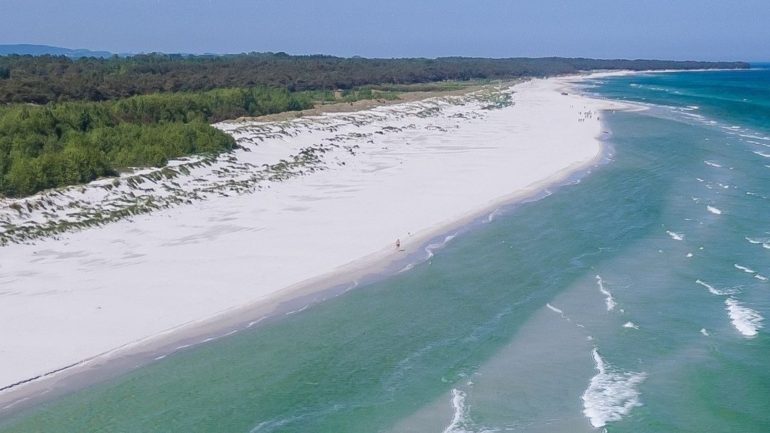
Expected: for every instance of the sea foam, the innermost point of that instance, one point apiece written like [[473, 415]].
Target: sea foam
[[744, 269], [714, 291], [554, 309], [435, 246], [459, 417], [765, 242], [715, 211], [491, 217], [611, 394], [609, 300], [461, 422], [747, 321], [675, 236]]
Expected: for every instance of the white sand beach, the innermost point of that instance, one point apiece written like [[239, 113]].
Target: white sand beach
[[406, 171]]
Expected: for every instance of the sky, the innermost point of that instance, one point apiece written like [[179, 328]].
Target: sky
[[661, 29]]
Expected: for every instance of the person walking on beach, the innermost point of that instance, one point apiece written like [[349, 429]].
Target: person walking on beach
[[398, 244]]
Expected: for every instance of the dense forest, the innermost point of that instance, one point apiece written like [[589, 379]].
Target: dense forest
[[67, 121], [44, 146], [47, 78]]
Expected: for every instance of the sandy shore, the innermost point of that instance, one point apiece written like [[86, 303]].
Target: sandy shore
[[406, 171]]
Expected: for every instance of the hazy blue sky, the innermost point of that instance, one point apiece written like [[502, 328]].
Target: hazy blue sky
[[675, 29]]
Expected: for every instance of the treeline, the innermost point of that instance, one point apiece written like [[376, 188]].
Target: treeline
[[66, 121], [46, 79], [46, 146]]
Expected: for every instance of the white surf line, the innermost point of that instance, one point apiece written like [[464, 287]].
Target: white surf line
[[744, 269], [21, 400], [254, 322], [714, 291], [491, 217], [460, 419], [406, 268], [429, 254], [753, 194], [747, 321], [675, 236], [609, 300], [764, 242], [561, 314], [713, 164], [299, 310], [208, 339], [611, 394], [429, 250], [631, 325], [352, 286], [714, 210], [94, 358], [755, 137]]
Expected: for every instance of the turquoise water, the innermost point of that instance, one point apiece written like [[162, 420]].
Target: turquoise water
[[631, 301]]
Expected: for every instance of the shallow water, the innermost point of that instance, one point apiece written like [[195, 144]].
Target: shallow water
[[631, 301]]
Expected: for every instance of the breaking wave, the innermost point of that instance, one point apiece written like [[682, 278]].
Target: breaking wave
[[611, 394], [714, 291], [744, 269], [747, 321], [461, 422], [554, 309], [609, 300]]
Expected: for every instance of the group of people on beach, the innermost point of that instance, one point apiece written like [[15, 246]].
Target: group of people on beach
[[585, 115]]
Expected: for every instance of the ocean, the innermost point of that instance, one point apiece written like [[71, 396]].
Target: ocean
[[632, 298]]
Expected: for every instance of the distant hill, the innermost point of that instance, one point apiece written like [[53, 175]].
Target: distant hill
[[42, 50]]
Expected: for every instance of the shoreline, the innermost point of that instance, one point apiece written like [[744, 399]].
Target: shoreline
[[289, 300], [376, 265]]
